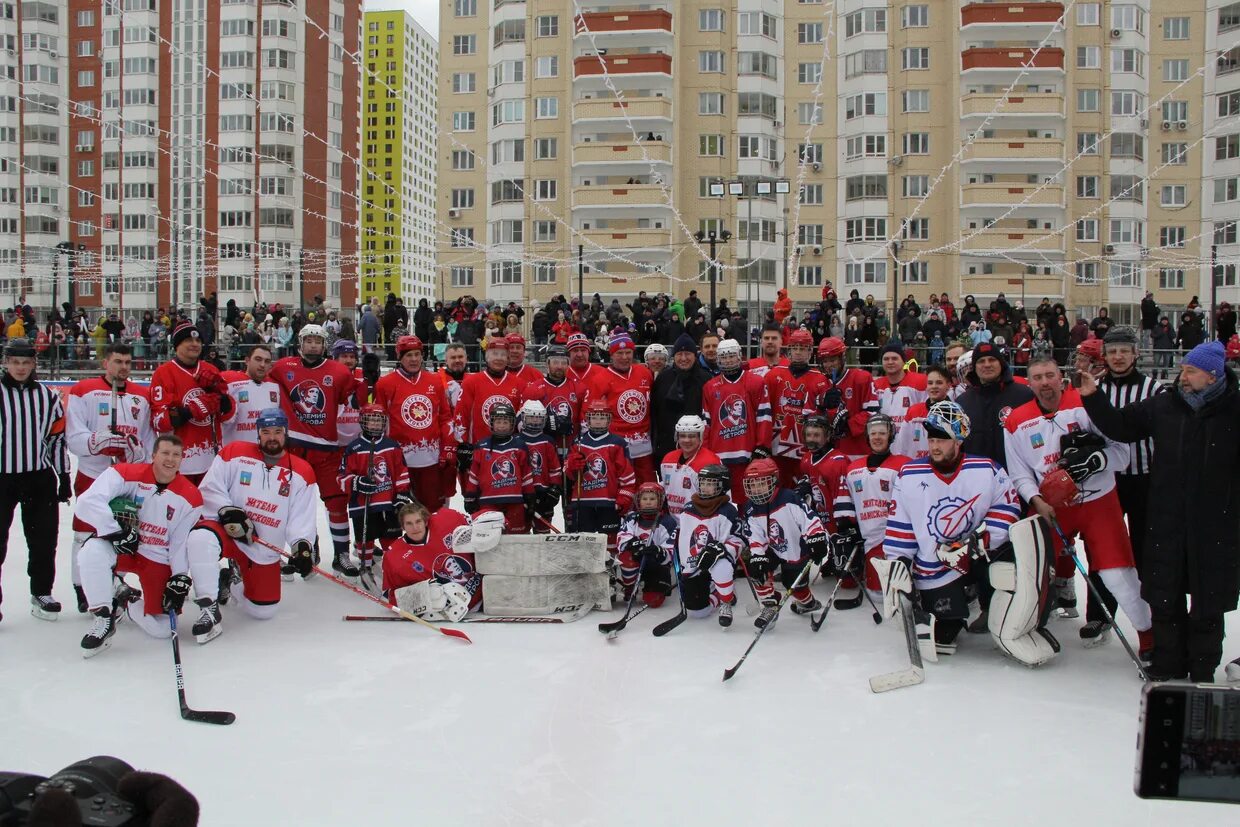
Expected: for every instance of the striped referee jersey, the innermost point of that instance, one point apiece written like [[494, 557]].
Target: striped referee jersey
[[1123, 391], [32, 428]]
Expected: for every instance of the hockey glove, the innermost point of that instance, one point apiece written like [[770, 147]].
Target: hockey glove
[[818, 547], [64, 489], [832, 399], [126, 540], [805, 490], [370, 368], [710, 554], [178, 416], [175, 592], [760, 453], [202, 407], [759, 567], [302, 557], [624, 502], [839, 425], [548, 498], [365, 486], [553, 424], [107, 444], [1083, 464], [237, 523], [225, 404], [447, 455], [574, 462], [895, 580], [472, 504], [464, 457], [401, 498]]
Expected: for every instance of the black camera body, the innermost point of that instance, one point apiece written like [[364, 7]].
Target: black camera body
[[92, 783]]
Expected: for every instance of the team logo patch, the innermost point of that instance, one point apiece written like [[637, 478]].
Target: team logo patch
[[418, 567], [491, 402], [907, 402], [453, 568], [1004, 413], [327, 381], [776, 538], [1073, 427], [503, 473], [857, 486], [171, 511], [243, 397], [104, 408], [950, 517], [699, 538], [246, 476], [274, 397], [288, 376], [884, 485], [416, 411], [632, 406], [536, 463], [848, 393], [309, 402], [1036, 440], [732, 417], [195, 394]]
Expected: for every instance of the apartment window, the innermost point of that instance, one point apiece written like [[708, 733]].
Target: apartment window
[[507, 191], [757, 230], [1087, 143], [867, 103], [865, 21], [1227, 147], [510, 111], [463, 121], [811, 194], [1226, 190], [1175, 70], [916, 143], [810, 153], [710, 146], [756, 22], [1127, 231], [755, 146], [809, 275], [505, 272], [1127, 145], [1171, 236], [1225, 275], [1089, 57], [1087, 230], [1176, 154], [914, 17], [857, 187], [915, 272], [809, 33], [809, 72], [547, 107], [547, 66], [1228, 104], [462, 199], [1125, 102], [1225, 232], [1127, 60], [462, 159], [865, 272], [86, 18], [1229, 17], [509, 31], [462, 237], [509, 231], [710, 20], [1175, 28], [508, 71], [757, 63], [508, 151], [1175, 110], [916, 229], [914, 57], [710, 103], [915, 100], [544, 272], [1087, 272], [865, 146], [810, 112], [1088, 100], [546, 149], [462, 276], [465, 44], [863, 229], [86, 77], [545, 189], [1087, 14], [1128, 18], [710, 61], [1170, 278], [465, 8], [548, 25], [756, 103], [544, 231], [915, 186], [810, 234], [1124, 274], [464, 82], [865, 62], [1087, 186], [1127, 188]]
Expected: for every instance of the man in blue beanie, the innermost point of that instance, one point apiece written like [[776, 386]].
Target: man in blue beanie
[[1192, 547]]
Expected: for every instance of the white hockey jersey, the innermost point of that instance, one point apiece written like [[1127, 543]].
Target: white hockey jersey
[[249, 399], [780, 526], [896, 400], [931, 509], [89, 411], [867, 495], [281, 500], [1031, 440], [165, 515], [694, 529], [680, 478], [911, 440], [659, 532]]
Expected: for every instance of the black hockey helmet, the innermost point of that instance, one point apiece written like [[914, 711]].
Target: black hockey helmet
[[816, 421], [714, 481], [502, 410]]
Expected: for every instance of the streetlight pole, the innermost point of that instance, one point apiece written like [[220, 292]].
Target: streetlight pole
[[713, 239]]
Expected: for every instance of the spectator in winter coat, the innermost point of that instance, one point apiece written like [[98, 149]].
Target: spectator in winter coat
[[910, 323], [783, 305], [1224, 322], [422, 318], [692, 305], [1162, 338], [1192, 333], [1061, 340], [677, 392], [1149, 316], [854, 302], [935, 349], [1078, 334], [697, 326], [540, 326], [369, 327], [1101, 323]]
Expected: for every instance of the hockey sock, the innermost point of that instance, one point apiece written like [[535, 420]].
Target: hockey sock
[[79, 537], [765, 590], [1126, 587], [628, 571], [263, 611], [722, 593], [802, 594], [338, 523]]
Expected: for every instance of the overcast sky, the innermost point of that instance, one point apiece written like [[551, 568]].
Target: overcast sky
[[425, 12]]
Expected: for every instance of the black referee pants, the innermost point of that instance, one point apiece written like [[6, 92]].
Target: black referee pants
[[35, 492], [1134, 495]]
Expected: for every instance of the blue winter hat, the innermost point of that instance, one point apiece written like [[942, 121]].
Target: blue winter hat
[[684, 344], [1210, 357]]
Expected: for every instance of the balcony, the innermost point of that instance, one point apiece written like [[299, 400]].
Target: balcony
[[619, 195], [982, 15], [636, 63], [1014, 149], [999, 195], [610, 26], [1000, 59], [634, 109], [1035, 104], [622, 153], [628, 239], [1014, 241]]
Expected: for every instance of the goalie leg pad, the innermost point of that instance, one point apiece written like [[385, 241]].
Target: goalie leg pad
[[1021, 578], [433, 601]]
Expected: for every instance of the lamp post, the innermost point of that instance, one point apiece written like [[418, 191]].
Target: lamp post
[[713, 239]]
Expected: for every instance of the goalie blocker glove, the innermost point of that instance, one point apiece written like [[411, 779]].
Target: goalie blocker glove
[[710, 554]]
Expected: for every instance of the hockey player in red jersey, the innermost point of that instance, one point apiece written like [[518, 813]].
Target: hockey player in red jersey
[[625, 387], [646, 543], [863, 501], [769, 347], [599, 476], [515, 343], [794, 392], [139, 517], [374, 477], [580, 370], [821, 470], [545, 467], [188, 398], [253, 491], [314, 389], [421, 421], [898, 389], [911, 439], [425, 573], [784, 538], [560, 396], [499, 474], [680, 468], [452, 374], [251, 391], [848, 400], [710, 536], [737, 411], [480, 392], [107, 420]]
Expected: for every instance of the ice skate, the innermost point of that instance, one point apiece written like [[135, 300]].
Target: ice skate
[[45, 607], [1095, 633], [100, 635], [209, 624]]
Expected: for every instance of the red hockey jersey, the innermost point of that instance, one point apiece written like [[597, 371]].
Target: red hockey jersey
[[312, 399], [545, 467], [758, 366], [825, 470], [172, 385], [381, 460], [607, 476], [479, 393], [407, 562], [563, 400], [628, 397], [500, 475], [738, 416], [857, 394], [249, 399], [421, 420], [792, 398]]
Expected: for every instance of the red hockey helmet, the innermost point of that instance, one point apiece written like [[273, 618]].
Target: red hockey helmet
[[649, 488], [761, 480], [515, 339], [831, 346], [1090, 348], [404, 344], [373, 420], [1059, 489], [800, 338]]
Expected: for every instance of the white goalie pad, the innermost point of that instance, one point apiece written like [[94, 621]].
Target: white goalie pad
[[545, 595], [434, 601], [1021, 578], [525, 555]]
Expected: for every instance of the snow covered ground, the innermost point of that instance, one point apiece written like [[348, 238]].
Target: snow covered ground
[[366, 723]]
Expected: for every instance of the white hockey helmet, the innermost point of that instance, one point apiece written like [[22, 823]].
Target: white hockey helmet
[[964, 365], [308, 330], [690, 424], [533, 416], [729, 354], [655, 351]]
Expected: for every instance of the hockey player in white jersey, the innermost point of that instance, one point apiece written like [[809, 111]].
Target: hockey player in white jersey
[[784, 537], [949, 508], [709, 537], [258, 499], [139, 516], [646, 542]]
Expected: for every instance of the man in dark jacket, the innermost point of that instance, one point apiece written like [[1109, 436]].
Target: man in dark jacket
[[1149, 317], [1192, 546], [991, 396], [677, 391]]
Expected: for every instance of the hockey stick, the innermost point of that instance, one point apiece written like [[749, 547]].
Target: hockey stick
[[518, 619], [547, 523], [457, 633], [614, 628], [878, 616], [202, 716], [815, 623], [366, 577], [728, 674], [916, 671], [115, 404], [667, 625], [1070, 548]]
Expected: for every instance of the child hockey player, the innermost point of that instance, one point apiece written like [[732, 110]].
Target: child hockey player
[[600, 476], [821, 470], [647, 533], [374, 476], [499, 473], [423, 573], [784, 536], [544, 464], [709, 537]]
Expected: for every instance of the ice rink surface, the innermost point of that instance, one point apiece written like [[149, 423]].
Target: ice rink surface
[[389, 723]]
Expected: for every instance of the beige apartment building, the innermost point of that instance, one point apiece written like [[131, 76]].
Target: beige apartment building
[[1082, 151]]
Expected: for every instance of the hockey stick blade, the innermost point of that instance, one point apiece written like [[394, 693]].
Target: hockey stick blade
[[614, 629], [207, 716], [897, 680], [670, 624]]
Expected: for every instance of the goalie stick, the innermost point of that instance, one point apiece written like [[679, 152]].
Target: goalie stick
[[728, 674], [456, 633], [202, 716], [667, 625], [916, 671], [614, 628], [517, 619]]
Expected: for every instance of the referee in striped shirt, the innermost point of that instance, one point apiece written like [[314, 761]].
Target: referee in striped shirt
[[34, 470], [1124, 385]]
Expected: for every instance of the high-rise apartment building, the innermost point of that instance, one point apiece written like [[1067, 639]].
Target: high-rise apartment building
[[399, 125], [1081, 151], [165, 149]]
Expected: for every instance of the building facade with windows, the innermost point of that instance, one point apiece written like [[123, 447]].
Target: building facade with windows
[[1076, 151]]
